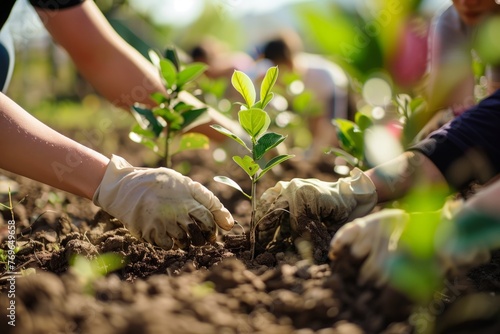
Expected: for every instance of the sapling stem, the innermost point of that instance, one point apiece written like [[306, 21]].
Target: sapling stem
[[255, 121], [168, 158], [252, 217], [171, 116]]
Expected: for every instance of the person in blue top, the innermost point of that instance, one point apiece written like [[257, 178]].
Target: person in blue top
[[452, 86], [158, 205], [464, 151]]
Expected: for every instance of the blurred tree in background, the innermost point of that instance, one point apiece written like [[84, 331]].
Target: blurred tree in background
[[379, 36], [376, 37]]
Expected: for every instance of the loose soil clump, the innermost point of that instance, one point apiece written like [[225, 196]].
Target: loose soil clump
[[217, 288]]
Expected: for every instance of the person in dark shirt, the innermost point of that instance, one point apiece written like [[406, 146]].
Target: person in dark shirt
[[464, 151]]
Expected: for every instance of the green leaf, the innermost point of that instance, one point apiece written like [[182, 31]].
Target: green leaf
[[244, 85], [193, 141], [257, 105], [147, 133], [351, 137], [268, 99], [174, 120], [182, 106], [419, 234], [171, 55], [106, 263], [423, 197], [254, 121], [417, 105], [337, 32], [231, 183], [159, 98], [475, 230], [268, 84], [191, 115], [363, 121], [147, 120], [248, 164], [267, 142], [229, 134], [353, 161], [273, 162], [190, 72], [417, 278], [168, 72], [145, 140]]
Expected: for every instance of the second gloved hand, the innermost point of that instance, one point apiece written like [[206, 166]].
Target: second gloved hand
[[451, 240], [328, 202], [160, 205], [373, 238]]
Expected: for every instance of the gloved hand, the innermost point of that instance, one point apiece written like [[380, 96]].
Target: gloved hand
[[452, 247], [328, 202], [373, 238], [160, 205], [465, 237]]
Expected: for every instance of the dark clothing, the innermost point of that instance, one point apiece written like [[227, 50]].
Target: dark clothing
[[6, 44], [5, 66], [468, 148], [6, 6]]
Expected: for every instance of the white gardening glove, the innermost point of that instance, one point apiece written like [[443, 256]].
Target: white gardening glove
[[327, 202], [465, 237], [458, 242], [372, 238], [160, 205]]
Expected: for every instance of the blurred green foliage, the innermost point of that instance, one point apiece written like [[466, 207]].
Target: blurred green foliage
[[360, 40], [352, 139], [158, 127]]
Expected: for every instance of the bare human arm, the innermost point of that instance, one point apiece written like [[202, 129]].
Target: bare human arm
[[158, 205], [113, 67], [32, 149], [395, 178]]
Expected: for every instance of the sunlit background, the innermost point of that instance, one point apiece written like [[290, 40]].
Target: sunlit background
[[380, 43]]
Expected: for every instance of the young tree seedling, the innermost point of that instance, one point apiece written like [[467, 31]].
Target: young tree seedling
[[352, 139], [255, 121], [159, 126]]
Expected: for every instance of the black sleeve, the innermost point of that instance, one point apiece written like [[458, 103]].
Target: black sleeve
[[55, 4], [468, 148]]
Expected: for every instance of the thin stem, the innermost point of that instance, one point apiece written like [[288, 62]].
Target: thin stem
[[168, 159], [252, 218]]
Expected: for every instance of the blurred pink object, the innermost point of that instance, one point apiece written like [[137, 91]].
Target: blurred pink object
[[408, 63]]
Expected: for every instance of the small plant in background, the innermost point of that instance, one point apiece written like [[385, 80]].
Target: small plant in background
[[402, 129], [413, 116], [88, 271], [4, 259], [156, 128], [7, 257], [255, 121], [214, 91], [352, 139]]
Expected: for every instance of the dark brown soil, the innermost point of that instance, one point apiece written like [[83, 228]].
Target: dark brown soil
[[215, 288]]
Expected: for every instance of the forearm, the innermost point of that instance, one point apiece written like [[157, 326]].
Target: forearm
[[33, 150], [395, 178], [114, 68]]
